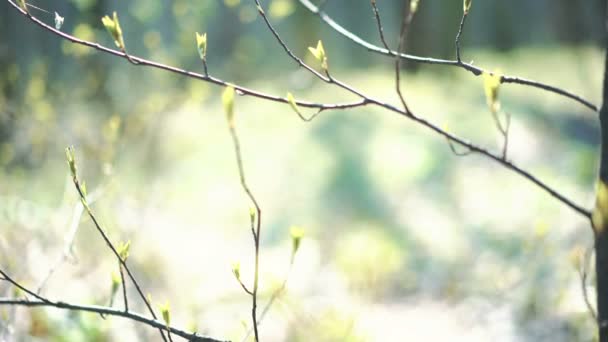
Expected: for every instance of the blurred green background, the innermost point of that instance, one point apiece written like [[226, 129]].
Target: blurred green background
[[404, 240]]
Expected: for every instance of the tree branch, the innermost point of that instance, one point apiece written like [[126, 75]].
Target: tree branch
[[427, 60]]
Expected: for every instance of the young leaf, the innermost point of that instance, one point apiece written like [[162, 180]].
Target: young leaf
[[201, 45], [467, 6], [414, 6], [319, 54], [58, 21], [236, 270], [165, 312], [22, 4], [123, 250], [292, 103], [228, 102], [296, 237], [113, 27], [69, 153], [491, 84], [252, 212], [115, 282]]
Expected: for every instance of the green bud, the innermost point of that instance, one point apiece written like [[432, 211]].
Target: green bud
[[236, 270], [228, 102], [413, 6], [467, 6], [201, 45], [123, 250], [69, 154], [319, 54], [297, 234], [113, 27], [165, 312], [292, 103]]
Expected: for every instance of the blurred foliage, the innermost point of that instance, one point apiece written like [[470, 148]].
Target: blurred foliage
[[401, 231]]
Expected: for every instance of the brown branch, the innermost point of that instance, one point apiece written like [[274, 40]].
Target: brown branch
[[379, 25], [255, 229], [434, 128], [193, 75], [457, 42], [102, 310], [405, 24], [436, 61]]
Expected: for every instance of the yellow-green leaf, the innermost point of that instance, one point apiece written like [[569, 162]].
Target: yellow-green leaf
[[201, 44], [491, 85], [467, 5], [236, 270], [599, 216], [292, 103], [69, 154], [113, 27], [115, 282], [296, 237], [319, 54], [165, 312], [123, 250], [414, 6], [22, 4], [228, 102]]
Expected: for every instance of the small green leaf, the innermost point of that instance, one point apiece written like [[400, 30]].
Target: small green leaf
[[491, 85], [83, 188], [116, 281], [201, 45], [22, 5], [296, 237], [113, 27], [123, 250], [236, 270], [165, 312], [58, 21], [228, 102], [319, 54], [69, 153], [414, 6], [467, 6], [252, 212], [292, 103]]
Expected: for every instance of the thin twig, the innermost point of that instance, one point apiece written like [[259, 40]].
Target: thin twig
[[273, 298], [405, 24], [114, 251], [124, 288], [583, 273], [379, 24], [460, 28], [69, 241], [193, 337], [456, 152], [256, 232]]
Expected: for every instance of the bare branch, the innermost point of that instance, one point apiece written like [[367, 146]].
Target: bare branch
[[102, 310], [379, 25], [460, 28], [427, 60]]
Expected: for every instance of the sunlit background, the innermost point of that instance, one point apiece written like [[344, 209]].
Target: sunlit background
[[404, 240]]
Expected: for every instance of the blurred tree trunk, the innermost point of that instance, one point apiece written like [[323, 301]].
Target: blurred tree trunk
[[600, 214]]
